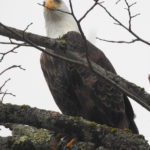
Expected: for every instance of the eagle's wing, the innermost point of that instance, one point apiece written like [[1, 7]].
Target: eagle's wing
[[99, 101], [80, 92], [111, 104]]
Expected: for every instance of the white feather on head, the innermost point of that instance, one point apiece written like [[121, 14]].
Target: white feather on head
[[59, 23]]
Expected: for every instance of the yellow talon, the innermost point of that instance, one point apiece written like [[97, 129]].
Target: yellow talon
[[71, 142]]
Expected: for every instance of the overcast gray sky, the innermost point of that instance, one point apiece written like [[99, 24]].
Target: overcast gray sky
[[130, 61]]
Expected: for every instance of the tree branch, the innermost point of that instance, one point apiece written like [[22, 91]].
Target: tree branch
[[81, 31], [83, 130], [4, 93], [117, 22], [10, 51], [11, 67], [58, 45], [28, 136], [111, 41]]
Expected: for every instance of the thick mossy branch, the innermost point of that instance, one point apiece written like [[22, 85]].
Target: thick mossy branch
[[25, 143], [30, 138], [67, 44], [83, 130]]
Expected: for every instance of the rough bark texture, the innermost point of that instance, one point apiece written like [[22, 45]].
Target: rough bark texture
[[27, 137], [86, 132], [128, 88]]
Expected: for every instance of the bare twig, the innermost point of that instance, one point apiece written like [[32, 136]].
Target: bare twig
[[130, 14], [80, 28], [89, 10], [11, 42], [4, 93], [132, 4], [27, 27], [14, 66], [55, 9], [111, 41], [17, 45], [118, 2], [4, 84], [135, 15], [117, 22], [10, 51], [14, 43]]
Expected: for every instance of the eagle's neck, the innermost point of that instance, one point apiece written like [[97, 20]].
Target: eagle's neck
[[58, 23]]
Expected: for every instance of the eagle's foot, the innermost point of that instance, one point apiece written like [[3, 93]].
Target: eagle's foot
[[71, 142]]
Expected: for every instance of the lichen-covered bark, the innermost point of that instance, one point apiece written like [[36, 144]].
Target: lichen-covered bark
[[27, 137], [101, 136]]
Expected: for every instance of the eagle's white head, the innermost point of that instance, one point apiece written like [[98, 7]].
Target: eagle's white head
[[58, 23]]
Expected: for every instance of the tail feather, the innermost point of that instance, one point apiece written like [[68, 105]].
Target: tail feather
[[130, 115]]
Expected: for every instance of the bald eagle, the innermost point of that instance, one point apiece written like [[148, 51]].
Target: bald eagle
[[76, 89]]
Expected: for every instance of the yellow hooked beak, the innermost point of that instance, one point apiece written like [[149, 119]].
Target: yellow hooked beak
[[49, 4]]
